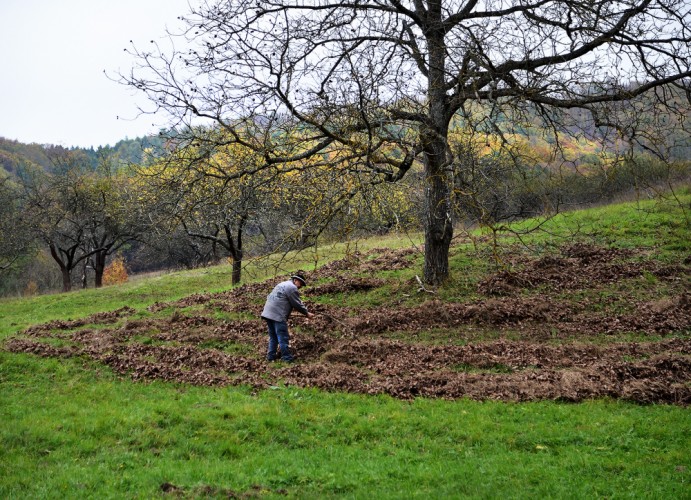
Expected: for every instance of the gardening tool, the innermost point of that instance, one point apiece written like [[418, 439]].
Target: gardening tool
[[336, 320]]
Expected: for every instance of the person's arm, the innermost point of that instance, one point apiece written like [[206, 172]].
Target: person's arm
[[295, 301]]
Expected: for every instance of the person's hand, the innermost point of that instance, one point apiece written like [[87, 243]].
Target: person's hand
[[310, 315]]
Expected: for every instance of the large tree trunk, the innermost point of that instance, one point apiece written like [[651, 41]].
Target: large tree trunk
[[437, 157], [438, 213]]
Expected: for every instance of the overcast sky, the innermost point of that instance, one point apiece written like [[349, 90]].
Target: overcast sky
[[52, 57]]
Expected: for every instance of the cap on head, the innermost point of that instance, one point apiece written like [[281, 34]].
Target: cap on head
[[300, 276]]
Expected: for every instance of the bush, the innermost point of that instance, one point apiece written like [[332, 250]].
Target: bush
[[31, 289], [115, 272]]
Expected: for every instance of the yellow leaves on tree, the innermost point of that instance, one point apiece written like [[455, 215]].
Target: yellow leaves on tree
[[115, 272]]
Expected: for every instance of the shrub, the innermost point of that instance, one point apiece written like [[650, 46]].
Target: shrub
[[115, 272], [31, 289]]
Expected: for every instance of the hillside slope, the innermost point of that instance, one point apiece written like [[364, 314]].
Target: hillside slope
[[583, 320]]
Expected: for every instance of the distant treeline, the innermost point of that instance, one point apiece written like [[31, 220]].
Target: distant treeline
[[66, 213], [14, 154]]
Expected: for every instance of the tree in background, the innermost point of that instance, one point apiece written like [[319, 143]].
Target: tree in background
[[81, 215], [56, 210], [383, 79], [116, 216], [209, 194], [15, 238]]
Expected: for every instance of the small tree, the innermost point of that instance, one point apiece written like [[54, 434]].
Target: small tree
[[55, 209], [116, 214], [116, 272], [209, 195]]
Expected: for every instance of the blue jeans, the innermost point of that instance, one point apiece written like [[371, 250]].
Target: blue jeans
[[278, 337]]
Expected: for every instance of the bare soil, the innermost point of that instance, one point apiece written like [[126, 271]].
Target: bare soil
[[559, 327]]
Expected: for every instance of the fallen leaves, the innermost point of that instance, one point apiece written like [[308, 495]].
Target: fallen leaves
[[346, 350]]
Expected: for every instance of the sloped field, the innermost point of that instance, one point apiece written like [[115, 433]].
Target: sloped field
[[587, 322]]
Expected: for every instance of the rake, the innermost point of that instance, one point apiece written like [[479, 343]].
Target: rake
[[336, 320]]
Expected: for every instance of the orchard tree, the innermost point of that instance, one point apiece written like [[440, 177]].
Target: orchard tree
[[15, 237], [81, 215], [381, 80], [220, 194], [114, 213], [55, 209], [208, 192]]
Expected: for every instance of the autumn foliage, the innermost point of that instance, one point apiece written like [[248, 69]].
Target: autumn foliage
[[115, 272]]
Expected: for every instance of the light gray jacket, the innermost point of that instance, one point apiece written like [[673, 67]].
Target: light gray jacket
[[282, 300]]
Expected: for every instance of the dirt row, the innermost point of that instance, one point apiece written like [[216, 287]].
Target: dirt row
[[645, 372]]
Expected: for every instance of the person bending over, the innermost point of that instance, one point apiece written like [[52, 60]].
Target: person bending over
[[279, 304]]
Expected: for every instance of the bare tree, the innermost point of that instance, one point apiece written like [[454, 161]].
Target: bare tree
[[55, 211], [115, 215], [209, 200], [379, 81], [79, 214], [15, 238]]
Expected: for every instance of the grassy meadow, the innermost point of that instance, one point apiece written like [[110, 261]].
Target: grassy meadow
[[71, 428]]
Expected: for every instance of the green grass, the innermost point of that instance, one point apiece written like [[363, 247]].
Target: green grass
[[78, 432], [72, 429], [662, 224]]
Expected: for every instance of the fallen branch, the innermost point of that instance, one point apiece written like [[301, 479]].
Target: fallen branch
[[422, 286]]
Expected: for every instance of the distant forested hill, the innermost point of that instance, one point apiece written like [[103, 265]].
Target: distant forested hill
[[128, 150], [14, 154]]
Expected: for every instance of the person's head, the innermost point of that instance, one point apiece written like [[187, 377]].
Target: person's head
[[299, 279]]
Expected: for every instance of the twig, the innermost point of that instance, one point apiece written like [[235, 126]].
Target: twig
[[422, 286]]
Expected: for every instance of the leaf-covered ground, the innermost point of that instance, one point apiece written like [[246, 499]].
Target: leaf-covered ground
[[556, 327]]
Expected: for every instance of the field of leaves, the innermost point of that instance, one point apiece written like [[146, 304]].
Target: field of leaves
[[585, 322]]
